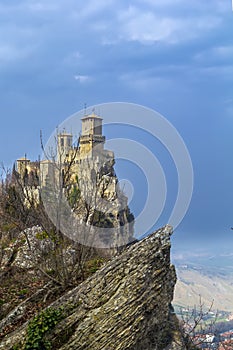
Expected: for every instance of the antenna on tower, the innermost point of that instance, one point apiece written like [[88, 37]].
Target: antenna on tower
[[85, 109]]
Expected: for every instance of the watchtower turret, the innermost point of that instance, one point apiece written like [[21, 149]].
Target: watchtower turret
[[91, 140], [64, 145], [22, 165]]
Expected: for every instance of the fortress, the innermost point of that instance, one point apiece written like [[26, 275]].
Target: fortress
[[82, 159], [85, 174]]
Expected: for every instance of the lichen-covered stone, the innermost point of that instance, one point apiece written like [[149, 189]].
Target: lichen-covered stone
[[125, 305], [28, 249]]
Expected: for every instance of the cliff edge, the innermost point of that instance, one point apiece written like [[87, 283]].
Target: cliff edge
[[125, 305]]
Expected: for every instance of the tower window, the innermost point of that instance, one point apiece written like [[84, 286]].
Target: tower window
[[62, 142]]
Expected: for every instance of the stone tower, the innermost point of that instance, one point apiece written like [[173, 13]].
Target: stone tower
[[91, 140], [64, 145], [22, 165]]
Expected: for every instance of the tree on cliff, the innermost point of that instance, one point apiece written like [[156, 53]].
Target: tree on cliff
[[63, 261], [22, 207]]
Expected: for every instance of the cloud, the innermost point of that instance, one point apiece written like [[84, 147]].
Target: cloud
[[29, 5], [223, 6], [197, 5], [145, 80], [102, 22], [39, 6], [145, 27], [82, 78], [223, 71], [177, 255], [10, 54], [214, 62], [73, 58], [90, 9], [148, 26], [162, 2], [222, 52], [105, 38]]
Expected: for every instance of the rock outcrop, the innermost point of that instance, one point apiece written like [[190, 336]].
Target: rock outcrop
[[125, 305], [27, 250]]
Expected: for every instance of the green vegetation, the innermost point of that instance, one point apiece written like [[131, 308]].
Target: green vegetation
[[74, 196], [94, 264], [23, 291], [40, 326], [16, 347], [42, 235], [101, 219]]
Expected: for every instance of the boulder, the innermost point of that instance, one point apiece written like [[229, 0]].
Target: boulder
[[125, 305]]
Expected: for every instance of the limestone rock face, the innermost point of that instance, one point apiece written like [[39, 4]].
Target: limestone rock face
[[28, 250], [125, 305]]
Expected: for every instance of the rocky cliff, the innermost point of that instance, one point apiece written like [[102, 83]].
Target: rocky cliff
[[125, 305]]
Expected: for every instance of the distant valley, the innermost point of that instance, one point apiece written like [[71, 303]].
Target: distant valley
[[209, 277]]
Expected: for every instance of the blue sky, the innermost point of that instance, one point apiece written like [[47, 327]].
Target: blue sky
[[174, 56]]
